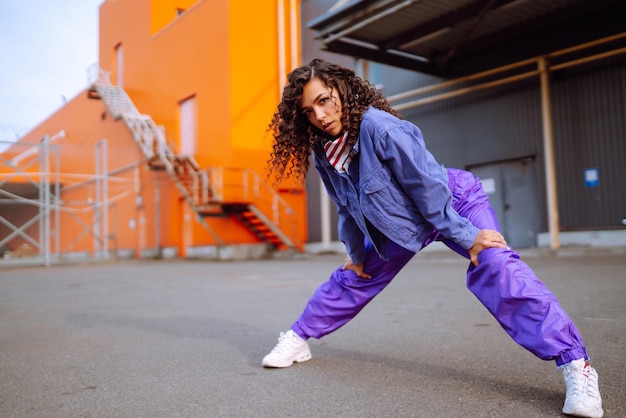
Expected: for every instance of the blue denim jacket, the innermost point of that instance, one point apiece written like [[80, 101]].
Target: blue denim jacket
[[394, 189]]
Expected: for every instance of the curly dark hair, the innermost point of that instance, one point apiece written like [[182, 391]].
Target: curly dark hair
[[294, 135]]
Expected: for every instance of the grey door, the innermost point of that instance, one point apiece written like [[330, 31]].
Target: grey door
[[512, 190]]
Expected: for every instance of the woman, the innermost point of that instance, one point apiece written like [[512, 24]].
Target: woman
[[393, 199]]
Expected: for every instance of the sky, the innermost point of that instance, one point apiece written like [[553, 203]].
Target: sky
[[46, 49]]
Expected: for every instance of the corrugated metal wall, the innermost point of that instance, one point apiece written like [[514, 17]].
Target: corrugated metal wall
[[589, 109], [589, 125]]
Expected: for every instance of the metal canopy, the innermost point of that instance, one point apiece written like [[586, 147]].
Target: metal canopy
[[452, 38]]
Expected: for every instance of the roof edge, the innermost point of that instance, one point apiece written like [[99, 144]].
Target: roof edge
[[344, 10]]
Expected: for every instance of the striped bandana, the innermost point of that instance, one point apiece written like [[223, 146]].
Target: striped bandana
[[338, 152]]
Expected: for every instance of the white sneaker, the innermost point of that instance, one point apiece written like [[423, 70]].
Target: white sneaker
[[582, 396], [290, 348]]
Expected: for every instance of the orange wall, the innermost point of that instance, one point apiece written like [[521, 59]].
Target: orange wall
[[255, 85], [210, 53], [163, 12], [216, 51], [187, 57]]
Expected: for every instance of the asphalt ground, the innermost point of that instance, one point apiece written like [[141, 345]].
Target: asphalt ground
[[180, 338]]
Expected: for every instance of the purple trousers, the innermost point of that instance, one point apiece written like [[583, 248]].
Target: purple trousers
[[504, 284]]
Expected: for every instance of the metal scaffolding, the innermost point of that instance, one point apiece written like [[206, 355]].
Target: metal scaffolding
[[32, 186]]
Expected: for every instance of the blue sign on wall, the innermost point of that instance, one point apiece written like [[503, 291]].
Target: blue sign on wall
[[591, 177]]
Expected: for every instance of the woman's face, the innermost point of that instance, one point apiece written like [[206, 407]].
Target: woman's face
[[321, 105]]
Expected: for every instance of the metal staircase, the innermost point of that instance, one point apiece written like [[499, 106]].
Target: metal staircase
[[214, 192]]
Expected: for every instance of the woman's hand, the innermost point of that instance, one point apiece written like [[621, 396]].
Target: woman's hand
[[357, 268], [486, 238]]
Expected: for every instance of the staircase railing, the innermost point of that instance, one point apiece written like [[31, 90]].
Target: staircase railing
[[242, 185], [150, 137], [200, 188]]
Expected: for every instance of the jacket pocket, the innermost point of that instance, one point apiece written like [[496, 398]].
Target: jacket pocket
[[376, 181]]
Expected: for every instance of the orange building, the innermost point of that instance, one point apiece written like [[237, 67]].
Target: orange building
[[165, 152]]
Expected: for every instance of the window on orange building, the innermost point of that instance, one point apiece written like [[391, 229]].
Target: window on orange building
[[119, 65], [187, 112]]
